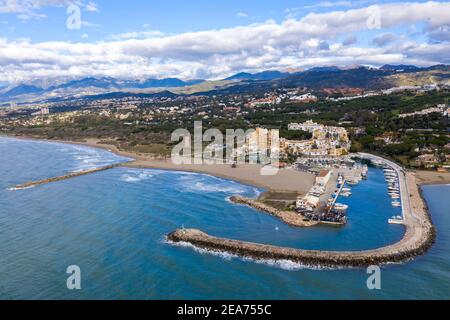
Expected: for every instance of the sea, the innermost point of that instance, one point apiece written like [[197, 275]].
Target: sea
[[113, 226]]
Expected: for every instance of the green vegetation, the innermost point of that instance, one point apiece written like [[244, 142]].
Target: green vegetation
[[401, 139]]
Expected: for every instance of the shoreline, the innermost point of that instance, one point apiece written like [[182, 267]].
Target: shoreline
[[429, 178], [418, 237], [141, 161], [286, 180]]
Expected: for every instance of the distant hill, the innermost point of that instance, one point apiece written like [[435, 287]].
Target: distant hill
[[111, 83], [165, 83], [336, 78], [263, 76], [104, 83], [319, 78], [331, 77], [422, 77], [117, 95], [324, 69], [22, 89], [399, 68], [91, 85]]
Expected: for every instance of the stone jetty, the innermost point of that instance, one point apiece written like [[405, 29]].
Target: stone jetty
[[31, 184]]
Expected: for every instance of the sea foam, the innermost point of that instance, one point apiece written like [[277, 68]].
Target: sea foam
[[136, 176], [284, 264]]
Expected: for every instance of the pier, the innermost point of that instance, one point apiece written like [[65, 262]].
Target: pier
[[31, 184], [337, 196]]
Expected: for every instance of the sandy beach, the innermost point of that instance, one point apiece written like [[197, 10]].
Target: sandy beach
[[286, 180], [432, 177]]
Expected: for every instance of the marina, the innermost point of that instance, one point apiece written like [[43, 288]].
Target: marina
[[393, 186], [321, 202]]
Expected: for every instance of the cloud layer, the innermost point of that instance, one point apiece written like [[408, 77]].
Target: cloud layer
[[316, 39]]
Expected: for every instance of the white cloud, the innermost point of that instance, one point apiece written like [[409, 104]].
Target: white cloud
[[29, 9], [349, 40], [331, 4], [91, 7], [305, 42], [297, 11], [242, 14], [26, 6], [147, 34], [384, 39]]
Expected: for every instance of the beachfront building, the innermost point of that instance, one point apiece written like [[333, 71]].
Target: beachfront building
[[262, 144], [323, 177], [325, 141], [312, 200]]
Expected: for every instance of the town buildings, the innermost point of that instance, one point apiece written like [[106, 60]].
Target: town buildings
[[325, 141]]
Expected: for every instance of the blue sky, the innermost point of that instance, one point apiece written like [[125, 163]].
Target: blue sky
[[169, 16], [212, 39]]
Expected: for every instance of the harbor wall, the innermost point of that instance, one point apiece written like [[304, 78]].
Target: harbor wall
[[418, 238], [306, 257]]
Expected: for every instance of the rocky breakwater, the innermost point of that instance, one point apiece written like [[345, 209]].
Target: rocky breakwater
[[63, 177], [289, 217], [418, 238]]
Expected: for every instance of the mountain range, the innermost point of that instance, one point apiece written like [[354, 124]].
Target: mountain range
[[318, 78]]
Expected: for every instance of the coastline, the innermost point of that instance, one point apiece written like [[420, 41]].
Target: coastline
[[418, 237], [432, 177], [286, 180], [423, 177]]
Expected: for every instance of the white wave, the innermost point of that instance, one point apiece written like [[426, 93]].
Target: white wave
[[207, 187], [136, 176], [89, 157], [284, 264], [186, 173], [127, 178], [206, 183], [201, 185], [18, 189], [257, 192]]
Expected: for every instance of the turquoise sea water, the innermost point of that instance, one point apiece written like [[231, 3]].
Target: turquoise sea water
[[112, 224]]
